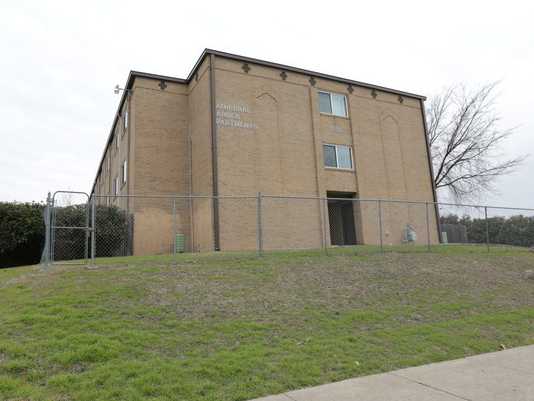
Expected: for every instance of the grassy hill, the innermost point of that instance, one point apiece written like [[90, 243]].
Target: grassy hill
[[235, 326]]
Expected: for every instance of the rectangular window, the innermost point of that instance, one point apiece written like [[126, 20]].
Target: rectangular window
[[117, 141], [330, 159], [124, 172], [325, 104], [338, 156], [333, 103], [116, 186], [125, 120]]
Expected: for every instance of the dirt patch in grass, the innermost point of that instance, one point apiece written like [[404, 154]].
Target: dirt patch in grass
[[342, 283]]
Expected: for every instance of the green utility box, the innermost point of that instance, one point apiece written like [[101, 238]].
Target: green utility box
[[180, 243]]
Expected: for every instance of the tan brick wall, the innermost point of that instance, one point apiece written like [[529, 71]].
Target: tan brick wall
[[160, 164], [201, 166], [170, 152], [391, 163], [280, 156], [275, 158]]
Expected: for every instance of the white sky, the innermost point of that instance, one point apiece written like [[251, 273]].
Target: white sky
[[59, 62]]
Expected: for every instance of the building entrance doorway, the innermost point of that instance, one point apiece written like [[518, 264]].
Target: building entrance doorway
[[341, 218]]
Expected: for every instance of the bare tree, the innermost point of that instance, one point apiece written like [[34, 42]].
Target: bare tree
[[465, 141]]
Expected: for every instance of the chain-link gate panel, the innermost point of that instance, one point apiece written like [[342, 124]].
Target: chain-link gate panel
[[70, 227]]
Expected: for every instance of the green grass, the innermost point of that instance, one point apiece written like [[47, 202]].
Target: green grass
[[233, 326]]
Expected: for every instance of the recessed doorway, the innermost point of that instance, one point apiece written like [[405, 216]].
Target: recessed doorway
[[341, 218]]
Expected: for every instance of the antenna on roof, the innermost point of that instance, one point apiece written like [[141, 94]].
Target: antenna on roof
[[117, 89]]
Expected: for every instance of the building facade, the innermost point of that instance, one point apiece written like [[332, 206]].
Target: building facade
[[242, 126]]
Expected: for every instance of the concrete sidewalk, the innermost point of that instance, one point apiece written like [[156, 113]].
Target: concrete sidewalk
[[499, 376]]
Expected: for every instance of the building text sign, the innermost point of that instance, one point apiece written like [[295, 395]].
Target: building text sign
[[229, 115]]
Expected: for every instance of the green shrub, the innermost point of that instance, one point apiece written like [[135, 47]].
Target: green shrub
[[21, 233], [515, 230]]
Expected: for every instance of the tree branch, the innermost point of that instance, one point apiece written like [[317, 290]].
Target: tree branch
[[465, 139]]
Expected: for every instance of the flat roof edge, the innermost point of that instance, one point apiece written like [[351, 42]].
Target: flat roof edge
[[139, 74], [271, 65], [304, 72]]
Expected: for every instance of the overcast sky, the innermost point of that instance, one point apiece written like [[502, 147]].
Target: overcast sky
[[59, 62]]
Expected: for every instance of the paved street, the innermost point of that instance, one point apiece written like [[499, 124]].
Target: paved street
[[500, 376]]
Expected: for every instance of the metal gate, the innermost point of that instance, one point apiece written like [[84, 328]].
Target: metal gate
[[68, 228]]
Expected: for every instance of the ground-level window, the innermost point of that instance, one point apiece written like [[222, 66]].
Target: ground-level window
[[333, 103], [124, 171], [338, 156]]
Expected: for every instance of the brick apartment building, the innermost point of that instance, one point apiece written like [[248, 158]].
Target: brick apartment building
[[240, 126]]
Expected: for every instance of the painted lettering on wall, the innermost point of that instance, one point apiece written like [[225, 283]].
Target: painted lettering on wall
[[229, 115]]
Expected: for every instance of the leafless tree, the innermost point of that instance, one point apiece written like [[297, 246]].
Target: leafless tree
[[465, 140]]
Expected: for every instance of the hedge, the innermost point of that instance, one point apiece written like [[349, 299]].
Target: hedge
[[22, 232], [515, 230]]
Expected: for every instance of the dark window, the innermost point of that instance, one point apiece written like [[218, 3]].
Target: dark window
[[325, 105], [330, 159]]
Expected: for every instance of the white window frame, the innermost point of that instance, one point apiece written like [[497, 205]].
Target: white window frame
[[332, 105], [124, 172], [336, 146], [117, 141]]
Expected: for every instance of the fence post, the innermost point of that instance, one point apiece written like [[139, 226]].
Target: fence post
[[325, 216], [174, 227], [427, 227], [259, 228], [48, 231], [87, 242], [380, 225], [51, 255], [93, 230], [487, 227], [320, 208]]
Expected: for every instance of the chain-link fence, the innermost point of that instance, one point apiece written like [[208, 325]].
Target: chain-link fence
[[82, 228], [67, 227]]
